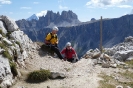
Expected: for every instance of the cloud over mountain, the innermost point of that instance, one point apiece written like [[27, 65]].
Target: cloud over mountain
[[108, 3]]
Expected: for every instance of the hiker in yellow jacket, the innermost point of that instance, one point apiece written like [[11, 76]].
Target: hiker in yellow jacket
[[51, 41]]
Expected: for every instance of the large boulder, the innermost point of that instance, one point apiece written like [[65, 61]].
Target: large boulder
[[9, 23]]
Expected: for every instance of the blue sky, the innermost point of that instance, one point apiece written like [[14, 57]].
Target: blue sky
[[85, 9]]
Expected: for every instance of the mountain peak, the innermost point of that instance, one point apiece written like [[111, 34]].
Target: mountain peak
[[34, 16]]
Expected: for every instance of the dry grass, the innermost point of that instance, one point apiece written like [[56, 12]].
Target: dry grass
[[127, 75], [107, 81], [125, 79], [130, 63]]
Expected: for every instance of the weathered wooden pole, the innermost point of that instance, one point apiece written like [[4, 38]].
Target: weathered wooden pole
[[101, 35]]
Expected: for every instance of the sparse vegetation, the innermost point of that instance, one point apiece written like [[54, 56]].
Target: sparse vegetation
[[106, 82], [2, 33], [5, 42], [2, 46], [129, 76], [18, 43], [13, 69], [130, 63], [38, 76], [8, 34], [7, 55], [111, 82], [21, 50]]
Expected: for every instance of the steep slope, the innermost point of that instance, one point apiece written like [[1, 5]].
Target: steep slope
[[15, 48]]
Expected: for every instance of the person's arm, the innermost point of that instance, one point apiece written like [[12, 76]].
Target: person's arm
[[57, 41], [75, 55], [47, 39], [63, 54]]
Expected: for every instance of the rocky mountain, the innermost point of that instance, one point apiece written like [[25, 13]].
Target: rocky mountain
[[87, 36], [67, 18], [33, 17], [15, 48]]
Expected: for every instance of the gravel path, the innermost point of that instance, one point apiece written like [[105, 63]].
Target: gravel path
[[79, 75]]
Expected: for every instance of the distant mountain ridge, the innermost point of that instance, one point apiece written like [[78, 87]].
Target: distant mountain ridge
[[87, 36], [67, 18]]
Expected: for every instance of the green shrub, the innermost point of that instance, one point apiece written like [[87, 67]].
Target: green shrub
[[5, 42], [38, 76], [3, 46], [2, 33], [7, 55], [17, 42], [8, 34], [13, 69], [21, 50]]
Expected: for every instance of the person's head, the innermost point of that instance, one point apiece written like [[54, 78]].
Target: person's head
[[55, 29], [68, 45]]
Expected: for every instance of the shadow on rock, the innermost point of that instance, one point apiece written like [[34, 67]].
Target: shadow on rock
[[44, 50]]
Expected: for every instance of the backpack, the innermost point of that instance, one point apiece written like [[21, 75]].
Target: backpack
[[51, 36]]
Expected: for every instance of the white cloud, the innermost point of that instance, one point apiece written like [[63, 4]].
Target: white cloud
[[25, 8], [5, 2], [125, 6], [35, 2], [106, 3], [63, 7], [42, 13]]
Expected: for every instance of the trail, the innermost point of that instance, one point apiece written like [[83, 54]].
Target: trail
[[82, 74]]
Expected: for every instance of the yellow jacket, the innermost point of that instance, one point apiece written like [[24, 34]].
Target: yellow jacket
[[52, 38]]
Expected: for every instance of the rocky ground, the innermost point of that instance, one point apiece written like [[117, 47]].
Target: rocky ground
[[83, 74]]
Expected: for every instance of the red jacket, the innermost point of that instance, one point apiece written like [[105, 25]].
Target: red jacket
[[68, 53]]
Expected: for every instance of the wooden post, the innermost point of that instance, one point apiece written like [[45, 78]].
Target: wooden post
[[101, 34]]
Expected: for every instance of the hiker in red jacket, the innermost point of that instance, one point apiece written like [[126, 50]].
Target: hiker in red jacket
[[69, 53]]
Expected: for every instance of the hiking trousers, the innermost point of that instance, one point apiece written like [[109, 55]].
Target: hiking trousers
[[57, 51]]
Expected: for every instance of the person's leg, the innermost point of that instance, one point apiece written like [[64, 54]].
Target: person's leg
[[56, 50]]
